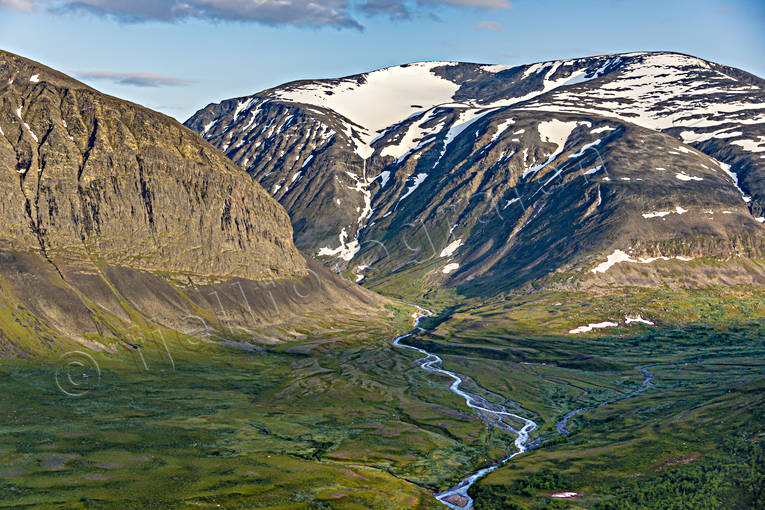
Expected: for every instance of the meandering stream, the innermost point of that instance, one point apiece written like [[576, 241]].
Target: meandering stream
[[493, 414], [647, 383]]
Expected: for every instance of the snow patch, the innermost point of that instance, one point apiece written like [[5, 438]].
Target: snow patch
[[590, 327], [501, 129], [243, 105], [464, 119], [534, 68], [510, 202], [384, 176], [496, 68], [584, 148], [619, 256], [685, 177], [660, 214], [450, 268], [564, 495], [656, 214], [638, 319], [346, 250], [415, 138], [692, 136], [726, 168], [418, 179], [555, 132], [616, 257], [451, 248], [593, 170], [379, 99], [656, 79], [751, 145], [209, 126]]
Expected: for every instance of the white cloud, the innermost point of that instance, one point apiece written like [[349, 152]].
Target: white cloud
[[269, 12], [18, 5], [301, 13], [481, 4], [489, 25], [137, 79]]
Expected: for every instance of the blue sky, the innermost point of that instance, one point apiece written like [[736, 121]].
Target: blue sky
[[218, 49]]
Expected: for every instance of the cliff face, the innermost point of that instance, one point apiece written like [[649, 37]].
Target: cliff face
[[118, 224], [86, 175]]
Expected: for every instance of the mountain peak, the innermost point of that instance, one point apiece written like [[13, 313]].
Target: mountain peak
[[414, 149]]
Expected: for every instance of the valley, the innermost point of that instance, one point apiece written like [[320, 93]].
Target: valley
[[438, 284], [349, 420]]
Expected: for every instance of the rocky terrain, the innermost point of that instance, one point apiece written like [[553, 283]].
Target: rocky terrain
[[113, 214], [498, 175]]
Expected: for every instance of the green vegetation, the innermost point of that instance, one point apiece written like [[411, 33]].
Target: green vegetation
[[693, 440], [733, 478], [338, 418], [729, 475]]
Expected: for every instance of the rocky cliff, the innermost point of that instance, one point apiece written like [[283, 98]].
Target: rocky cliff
[[117, 221], [88, 175]]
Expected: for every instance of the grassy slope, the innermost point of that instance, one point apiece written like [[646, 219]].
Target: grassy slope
[[341, 419]]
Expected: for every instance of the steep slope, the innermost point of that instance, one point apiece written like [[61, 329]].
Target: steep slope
[[514, 172], [717, 109], [317, 146], [90, 174], [551, 190], [114, 214]]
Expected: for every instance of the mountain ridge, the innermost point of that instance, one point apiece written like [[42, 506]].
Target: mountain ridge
[[310, 146]]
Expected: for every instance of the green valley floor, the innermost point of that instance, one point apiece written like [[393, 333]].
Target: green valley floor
[[343, 419]]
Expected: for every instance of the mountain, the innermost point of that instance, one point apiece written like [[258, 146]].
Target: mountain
[[588, 280], [470, 174], [115, 215]]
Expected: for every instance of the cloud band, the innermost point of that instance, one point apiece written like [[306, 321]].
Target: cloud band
[[302, 13]]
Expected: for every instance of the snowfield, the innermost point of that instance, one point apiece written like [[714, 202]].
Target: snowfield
[[619, 256], [384, 98], [450, 268]]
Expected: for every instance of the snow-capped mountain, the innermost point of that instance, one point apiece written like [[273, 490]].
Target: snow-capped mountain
[[471, 171]]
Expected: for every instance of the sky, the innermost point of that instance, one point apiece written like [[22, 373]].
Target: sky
[[177, 56]]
